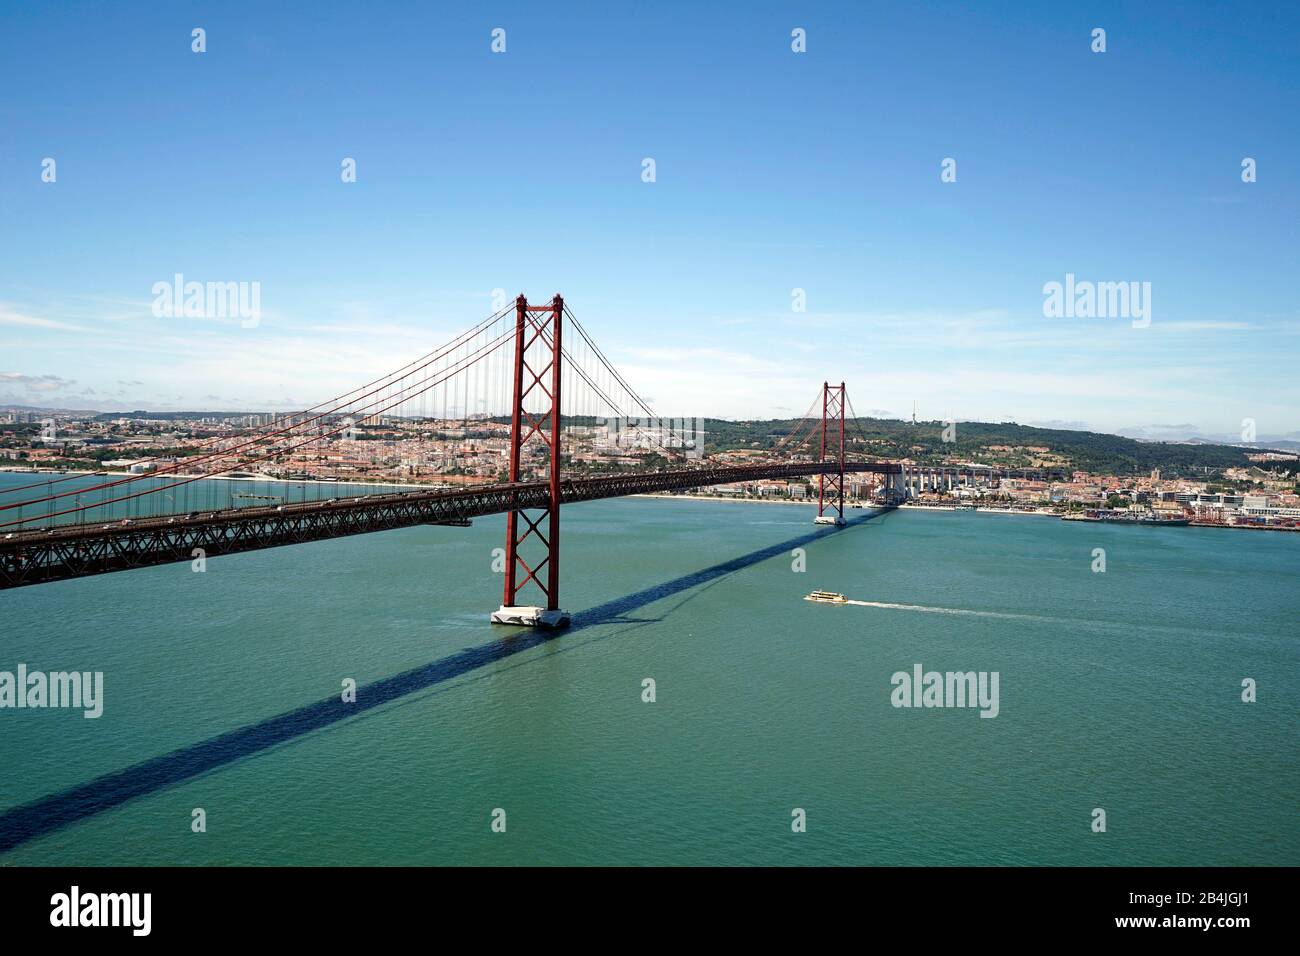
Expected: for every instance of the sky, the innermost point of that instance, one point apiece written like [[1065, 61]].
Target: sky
[[774, 171]]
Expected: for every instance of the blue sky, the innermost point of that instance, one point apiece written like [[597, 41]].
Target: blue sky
[[775, 171]]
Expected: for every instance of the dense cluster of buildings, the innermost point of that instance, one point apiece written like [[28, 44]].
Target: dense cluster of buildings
[[476, 450], [1238, 496]]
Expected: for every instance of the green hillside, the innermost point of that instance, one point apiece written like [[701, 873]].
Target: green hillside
[[923, 441]]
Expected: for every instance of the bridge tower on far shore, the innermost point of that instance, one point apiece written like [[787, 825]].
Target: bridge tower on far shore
[[537, 359], [830, 487]]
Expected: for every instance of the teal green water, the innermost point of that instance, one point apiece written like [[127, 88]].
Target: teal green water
[[87, 501], [1119, 690]]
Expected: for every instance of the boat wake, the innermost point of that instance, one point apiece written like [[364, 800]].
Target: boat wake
[[964, 612]]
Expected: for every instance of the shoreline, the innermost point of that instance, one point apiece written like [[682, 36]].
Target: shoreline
[[746, 501], [981, 508], [916, 509], [751, 501], [720, 498], [812, 503]]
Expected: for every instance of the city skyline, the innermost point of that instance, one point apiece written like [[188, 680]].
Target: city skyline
[[779, 177]]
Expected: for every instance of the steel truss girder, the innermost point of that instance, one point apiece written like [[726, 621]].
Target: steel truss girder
[[35, 557]]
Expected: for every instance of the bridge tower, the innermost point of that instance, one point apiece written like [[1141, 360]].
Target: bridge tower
[[830, 488], [537, 360]]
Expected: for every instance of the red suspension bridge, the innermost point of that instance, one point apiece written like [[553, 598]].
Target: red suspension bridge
[[517, 386]]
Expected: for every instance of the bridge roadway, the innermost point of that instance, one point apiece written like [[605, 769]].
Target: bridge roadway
[[78, 550]]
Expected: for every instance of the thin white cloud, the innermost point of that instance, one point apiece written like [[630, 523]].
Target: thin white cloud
[[12, 317], [1200, 326]]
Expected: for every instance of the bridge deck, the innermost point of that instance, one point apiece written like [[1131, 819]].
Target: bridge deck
[[38, 556]]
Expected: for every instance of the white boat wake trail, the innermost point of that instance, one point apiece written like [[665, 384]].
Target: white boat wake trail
[[1085, 624], [957, 610]]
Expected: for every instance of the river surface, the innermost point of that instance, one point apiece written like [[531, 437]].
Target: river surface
[[1120, 690]]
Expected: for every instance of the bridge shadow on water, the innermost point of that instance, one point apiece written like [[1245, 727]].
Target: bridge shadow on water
[[49, 814]]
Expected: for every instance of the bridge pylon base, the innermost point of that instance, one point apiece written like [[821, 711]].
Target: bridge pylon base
[[529, 616], [828, 519]]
